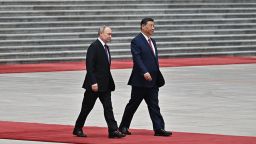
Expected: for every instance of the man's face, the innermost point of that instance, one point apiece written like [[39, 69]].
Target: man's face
[[149, 28], [106, 35]]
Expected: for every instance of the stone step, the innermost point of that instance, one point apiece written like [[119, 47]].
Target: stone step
[[210, 38], [122, 11], [120, 36], [211, 43], [43, 54], [82, 54], [192, 44], [207, 49], [159, 39], [61, 30], [180, 22], [39, 60], [114, 50], [113, 47], [75, 33], [104, 2], [120, 46], [172, 29], [22, 48], [79, 58], [125, 53], [70, 59], [161, 18], [94, 7], [205, 54], [52, 59]]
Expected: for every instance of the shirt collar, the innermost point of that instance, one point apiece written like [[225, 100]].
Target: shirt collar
[[101, 41], [146, 37]]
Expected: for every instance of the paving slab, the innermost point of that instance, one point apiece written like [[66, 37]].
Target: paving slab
[[217, 99]]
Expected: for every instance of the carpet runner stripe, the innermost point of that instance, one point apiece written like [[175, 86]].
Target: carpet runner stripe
[[123, 64]]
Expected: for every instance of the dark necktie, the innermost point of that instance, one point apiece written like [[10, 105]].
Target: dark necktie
[[150, 44], [107, 51]]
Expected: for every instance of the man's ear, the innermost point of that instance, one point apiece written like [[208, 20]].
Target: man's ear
[[142, 26]]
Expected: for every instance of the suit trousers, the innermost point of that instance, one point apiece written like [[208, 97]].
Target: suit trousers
[[88, 104], [150, 95]]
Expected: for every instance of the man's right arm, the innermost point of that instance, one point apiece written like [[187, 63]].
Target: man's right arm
[[137, 59], [90, 64], [136, 53]]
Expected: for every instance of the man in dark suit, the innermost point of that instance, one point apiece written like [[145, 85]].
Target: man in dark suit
[[145, 80], [98, 84]]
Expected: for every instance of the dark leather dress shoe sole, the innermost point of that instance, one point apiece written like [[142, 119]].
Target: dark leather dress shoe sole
[[125, 131], [79, 133], [162, 133], [116, 134]]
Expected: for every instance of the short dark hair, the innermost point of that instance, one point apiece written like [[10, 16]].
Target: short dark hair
[[144, 21]]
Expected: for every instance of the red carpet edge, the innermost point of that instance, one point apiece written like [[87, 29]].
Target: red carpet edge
[[123, 64], [98, 135]]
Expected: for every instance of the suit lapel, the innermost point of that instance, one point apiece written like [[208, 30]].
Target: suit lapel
[[145, 41], [146, 44], [103, 52]]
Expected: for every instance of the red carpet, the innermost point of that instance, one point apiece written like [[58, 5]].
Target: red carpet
[[120, 64], [98, 135]]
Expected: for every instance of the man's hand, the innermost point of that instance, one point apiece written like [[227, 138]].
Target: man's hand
[[95, 87], [147, 76]]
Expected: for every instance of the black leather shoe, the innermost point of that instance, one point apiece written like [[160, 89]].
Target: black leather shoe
[[124, 130], [79, 133], [162, 132], [116, 134]]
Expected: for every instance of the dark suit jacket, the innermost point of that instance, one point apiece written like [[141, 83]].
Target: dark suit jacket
[[144, 61], [98, 68]]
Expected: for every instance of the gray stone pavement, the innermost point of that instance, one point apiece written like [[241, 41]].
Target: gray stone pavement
[[218, 99]]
